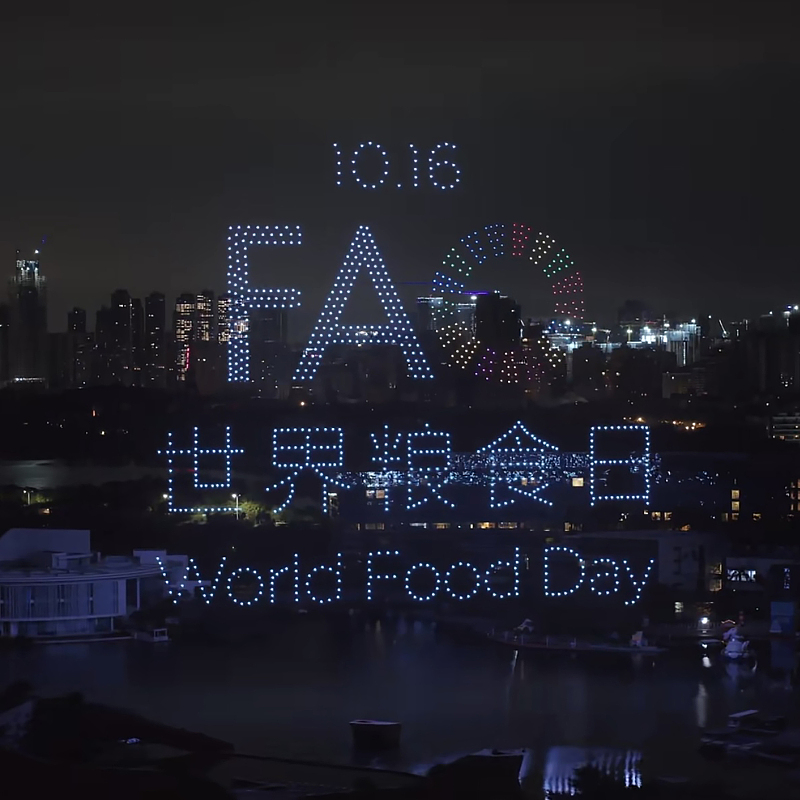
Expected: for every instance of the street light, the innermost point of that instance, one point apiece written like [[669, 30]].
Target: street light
[[28, 492], [236, 498]]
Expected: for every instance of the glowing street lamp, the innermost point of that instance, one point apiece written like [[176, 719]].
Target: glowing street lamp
[[236, 498]]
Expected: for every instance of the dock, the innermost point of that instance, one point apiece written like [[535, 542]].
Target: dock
[[569, 644]]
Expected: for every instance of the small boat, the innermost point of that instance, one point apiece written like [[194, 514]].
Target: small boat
[[372, 734]]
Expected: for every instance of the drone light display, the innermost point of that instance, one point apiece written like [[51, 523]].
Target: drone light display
[[419, 466], [387, 576], [363, 255], [244, 297], [637, 462], [442, 171], [532, 359]]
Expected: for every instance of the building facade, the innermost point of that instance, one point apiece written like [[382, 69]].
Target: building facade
[[53, 585], [28, 323]]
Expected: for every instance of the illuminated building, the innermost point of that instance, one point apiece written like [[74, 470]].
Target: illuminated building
[[137, 342], [464, 312], [267, 334], [52, 584], [204, 316], [28, 322], [588, 370], [120, 353], [786, 426], [155, 339], [223, 319], [428, 308], [76, 352], [183, 325]]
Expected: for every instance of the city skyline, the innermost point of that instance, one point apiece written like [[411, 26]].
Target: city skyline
[[657, 149]]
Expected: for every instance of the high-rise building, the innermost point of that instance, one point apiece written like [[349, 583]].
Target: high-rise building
[[137, 341], [121, 338], [183, 324], [71, 355], [4, 324], [183, 318], [204, 316], [102, 373], [76, 320], [428, 311], [465, 311], [28, 322], [269, 351], [497, 321], [155, 340], [224, 318]]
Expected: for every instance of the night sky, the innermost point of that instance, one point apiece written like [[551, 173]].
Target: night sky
[[659, 147]]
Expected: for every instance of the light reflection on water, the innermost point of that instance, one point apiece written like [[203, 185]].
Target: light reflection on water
[[54, 474], [562, 762], [293, 691]]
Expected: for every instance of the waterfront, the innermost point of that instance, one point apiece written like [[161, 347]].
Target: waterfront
[[292, 692], [54, 474]]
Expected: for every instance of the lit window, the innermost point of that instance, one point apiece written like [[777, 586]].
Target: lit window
[[441, 526], [756, 516], [715, 585], [741, 575], [656, 515], [486, 525], [577, 483], [734, 517], [667, 515], [734, 494], [734, 505], [678, 607]]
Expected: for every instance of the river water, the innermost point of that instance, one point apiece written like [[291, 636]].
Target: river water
[[54, 474], [292, 692]]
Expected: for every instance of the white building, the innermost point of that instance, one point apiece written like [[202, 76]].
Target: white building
[[52, 584]]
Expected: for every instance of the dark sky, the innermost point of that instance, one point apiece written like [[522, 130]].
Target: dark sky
[[656, 142]]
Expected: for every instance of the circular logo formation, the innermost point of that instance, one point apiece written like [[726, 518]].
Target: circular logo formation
[[528, 360]]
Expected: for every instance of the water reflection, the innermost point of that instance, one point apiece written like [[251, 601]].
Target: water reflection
[[701, 706], [561, 763], [293, 692]]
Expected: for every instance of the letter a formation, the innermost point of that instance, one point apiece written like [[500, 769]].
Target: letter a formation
[[363, 255]]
